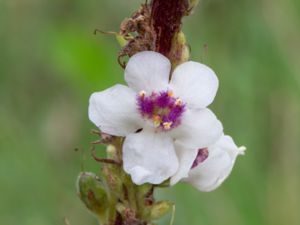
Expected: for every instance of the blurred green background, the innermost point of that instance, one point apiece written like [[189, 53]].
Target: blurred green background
[[50, 62]]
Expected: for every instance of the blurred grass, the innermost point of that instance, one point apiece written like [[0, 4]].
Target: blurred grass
[[50, 63]]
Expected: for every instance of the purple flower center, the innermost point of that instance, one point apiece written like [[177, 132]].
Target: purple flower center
[[162, 108], [201, 157]]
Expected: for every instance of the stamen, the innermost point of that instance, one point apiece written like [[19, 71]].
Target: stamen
[[142, 94], [156, 120], [170, 93], [167, 125], [178, 102], [201, 157]]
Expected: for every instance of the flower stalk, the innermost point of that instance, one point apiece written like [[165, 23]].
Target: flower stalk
[[166, 19], [164, 93], [166, 16], [126, 203]]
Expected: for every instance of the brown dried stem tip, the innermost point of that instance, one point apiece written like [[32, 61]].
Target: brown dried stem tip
[[157, 27], [166, 16]]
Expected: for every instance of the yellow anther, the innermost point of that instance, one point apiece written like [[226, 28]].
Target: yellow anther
[[178, 102], [156, 123], [156, 120], [170, 93], [167, 125], [142, 93]]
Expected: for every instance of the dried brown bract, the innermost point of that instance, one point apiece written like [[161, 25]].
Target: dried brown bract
[[139, 33]]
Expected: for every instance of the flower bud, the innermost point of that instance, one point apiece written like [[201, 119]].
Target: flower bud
[[180, 52], [159, 209], [111, 152], [112, 175], [92, 192], [193, 3], [121, 40]]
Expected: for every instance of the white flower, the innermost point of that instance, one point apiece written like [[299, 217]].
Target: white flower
[[156, 111], [207, 168]]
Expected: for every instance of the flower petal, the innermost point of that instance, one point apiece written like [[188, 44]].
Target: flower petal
[[210, 174], [149, 157], [186, 157], [114, 111], [195, 83], [148, 71], [198, 129]]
